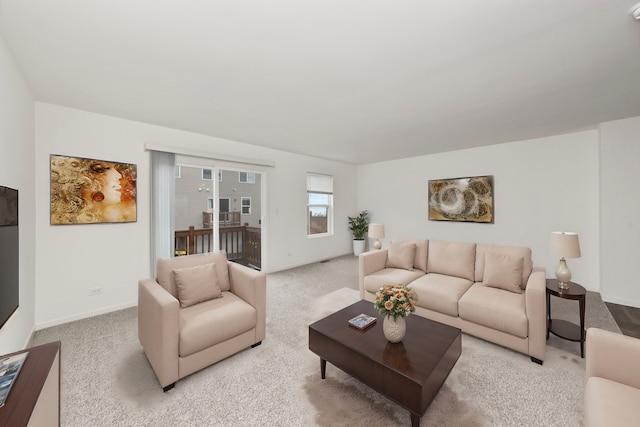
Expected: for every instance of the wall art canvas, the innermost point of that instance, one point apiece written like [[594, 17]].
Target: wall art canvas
[[461, 199], [90, 191]]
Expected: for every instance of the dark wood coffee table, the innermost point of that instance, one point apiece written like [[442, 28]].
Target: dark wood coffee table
[[410, 372]]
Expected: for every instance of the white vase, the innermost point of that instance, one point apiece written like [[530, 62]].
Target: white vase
[[394, 328], [358, 247]]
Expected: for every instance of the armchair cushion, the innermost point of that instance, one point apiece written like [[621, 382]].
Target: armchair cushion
[[212, 322], [609, 403], [196, 284], [165, 267]]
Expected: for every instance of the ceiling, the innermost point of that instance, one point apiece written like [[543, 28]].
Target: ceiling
[[359, 81]]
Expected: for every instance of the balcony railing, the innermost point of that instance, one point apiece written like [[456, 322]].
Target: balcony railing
[[225, 219], [242, 243]]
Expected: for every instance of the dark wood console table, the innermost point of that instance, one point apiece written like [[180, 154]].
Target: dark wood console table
[[562, 328], [34, 399]]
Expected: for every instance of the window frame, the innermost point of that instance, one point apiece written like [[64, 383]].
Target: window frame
[[248, 175], [242, 205], [211, 171], [320, 184]]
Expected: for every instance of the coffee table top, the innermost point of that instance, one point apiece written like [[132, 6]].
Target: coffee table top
[[416, 356]]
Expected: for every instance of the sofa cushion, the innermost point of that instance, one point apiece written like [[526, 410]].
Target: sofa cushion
[[400, 255], [375, 281], [609, 403], [165, 267], [512, 251], [212, 322], [196, 284], [503, 272], [422, 249], [440, 292], [452, 258], [495, 308]]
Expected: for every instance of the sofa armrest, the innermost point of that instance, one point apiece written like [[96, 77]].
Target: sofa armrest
[[368, 263], [159, 329], [251, 286], [536, 307], [613, 356]]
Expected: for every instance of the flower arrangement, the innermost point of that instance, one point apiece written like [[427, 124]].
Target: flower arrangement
[[395, 300]]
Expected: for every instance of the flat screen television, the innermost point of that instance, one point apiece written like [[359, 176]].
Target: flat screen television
[[9, 265]]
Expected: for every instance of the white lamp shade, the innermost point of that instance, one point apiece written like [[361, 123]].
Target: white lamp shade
[[376, 231], [565, 244]]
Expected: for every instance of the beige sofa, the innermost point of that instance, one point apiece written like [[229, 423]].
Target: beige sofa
[[200, 310], [612, 393], [489, 291]]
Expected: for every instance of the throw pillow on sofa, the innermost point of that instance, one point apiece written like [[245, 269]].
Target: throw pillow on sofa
[[400, 255], [502, 271], [197, 284]]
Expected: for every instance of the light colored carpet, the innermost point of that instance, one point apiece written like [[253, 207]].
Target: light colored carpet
[[107, 381]]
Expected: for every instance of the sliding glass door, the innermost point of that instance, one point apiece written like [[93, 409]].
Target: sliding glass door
[[218, 208]]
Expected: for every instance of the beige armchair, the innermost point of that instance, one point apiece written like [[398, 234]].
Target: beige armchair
[[612, 393], [200, 310]]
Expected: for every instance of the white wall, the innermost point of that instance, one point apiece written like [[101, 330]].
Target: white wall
[[16, 171], [620, 211], [73, 258], [540, 186]]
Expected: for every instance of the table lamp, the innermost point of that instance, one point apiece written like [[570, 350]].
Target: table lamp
[[566, 245], [376, 231]]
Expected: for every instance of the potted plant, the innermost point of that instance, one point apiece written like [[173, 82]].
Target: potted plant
[[359, 225]]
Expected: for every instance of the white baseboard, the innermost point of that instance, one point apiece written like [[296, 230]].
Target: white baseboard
[[84, 315], [301, 263], [621, 301]]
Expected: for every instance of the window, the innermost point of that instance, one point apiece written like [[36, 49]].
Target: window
[[178, 171], [210, 203], [319, 204], [207, 174], [219, 174], [247, 177], [246, 205]]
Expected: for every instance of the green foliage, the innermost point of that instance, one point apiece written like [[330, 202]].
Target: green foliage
[[359, 225]]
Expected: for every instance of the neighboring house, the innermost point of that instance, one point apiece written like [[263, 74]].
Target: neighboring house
[[195, 194]]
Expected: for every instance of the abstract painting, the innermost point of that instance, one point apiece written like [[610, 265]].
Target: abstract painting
[[461, 199]]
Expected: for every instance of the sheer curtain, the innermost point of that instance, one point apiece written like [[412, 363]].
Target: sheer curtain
[[162, 200]]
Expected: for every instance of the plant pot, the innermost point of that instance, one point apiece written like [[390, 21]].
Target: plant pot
[[394, 328], [358, 247]]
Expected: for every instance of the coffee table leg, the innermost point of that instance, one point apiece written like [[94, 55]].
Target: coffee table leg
[[415, 420], [323, 368]]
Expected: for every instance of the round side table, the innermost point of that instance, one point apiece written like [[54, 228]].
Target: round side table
[[562, 328]]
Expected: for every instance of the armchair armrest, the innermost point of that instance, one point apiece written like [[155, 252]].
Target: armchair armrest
[[251, 286], [368, 263], [158, 329], [536, 309], [613, 356]]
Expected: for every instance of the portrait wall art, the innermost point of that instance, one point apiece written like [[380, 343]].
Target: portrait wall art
[[461, 199], [90, 191]]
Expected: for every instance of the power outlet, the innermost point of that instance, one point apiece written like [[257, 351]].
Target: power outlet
[[95, 291]]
